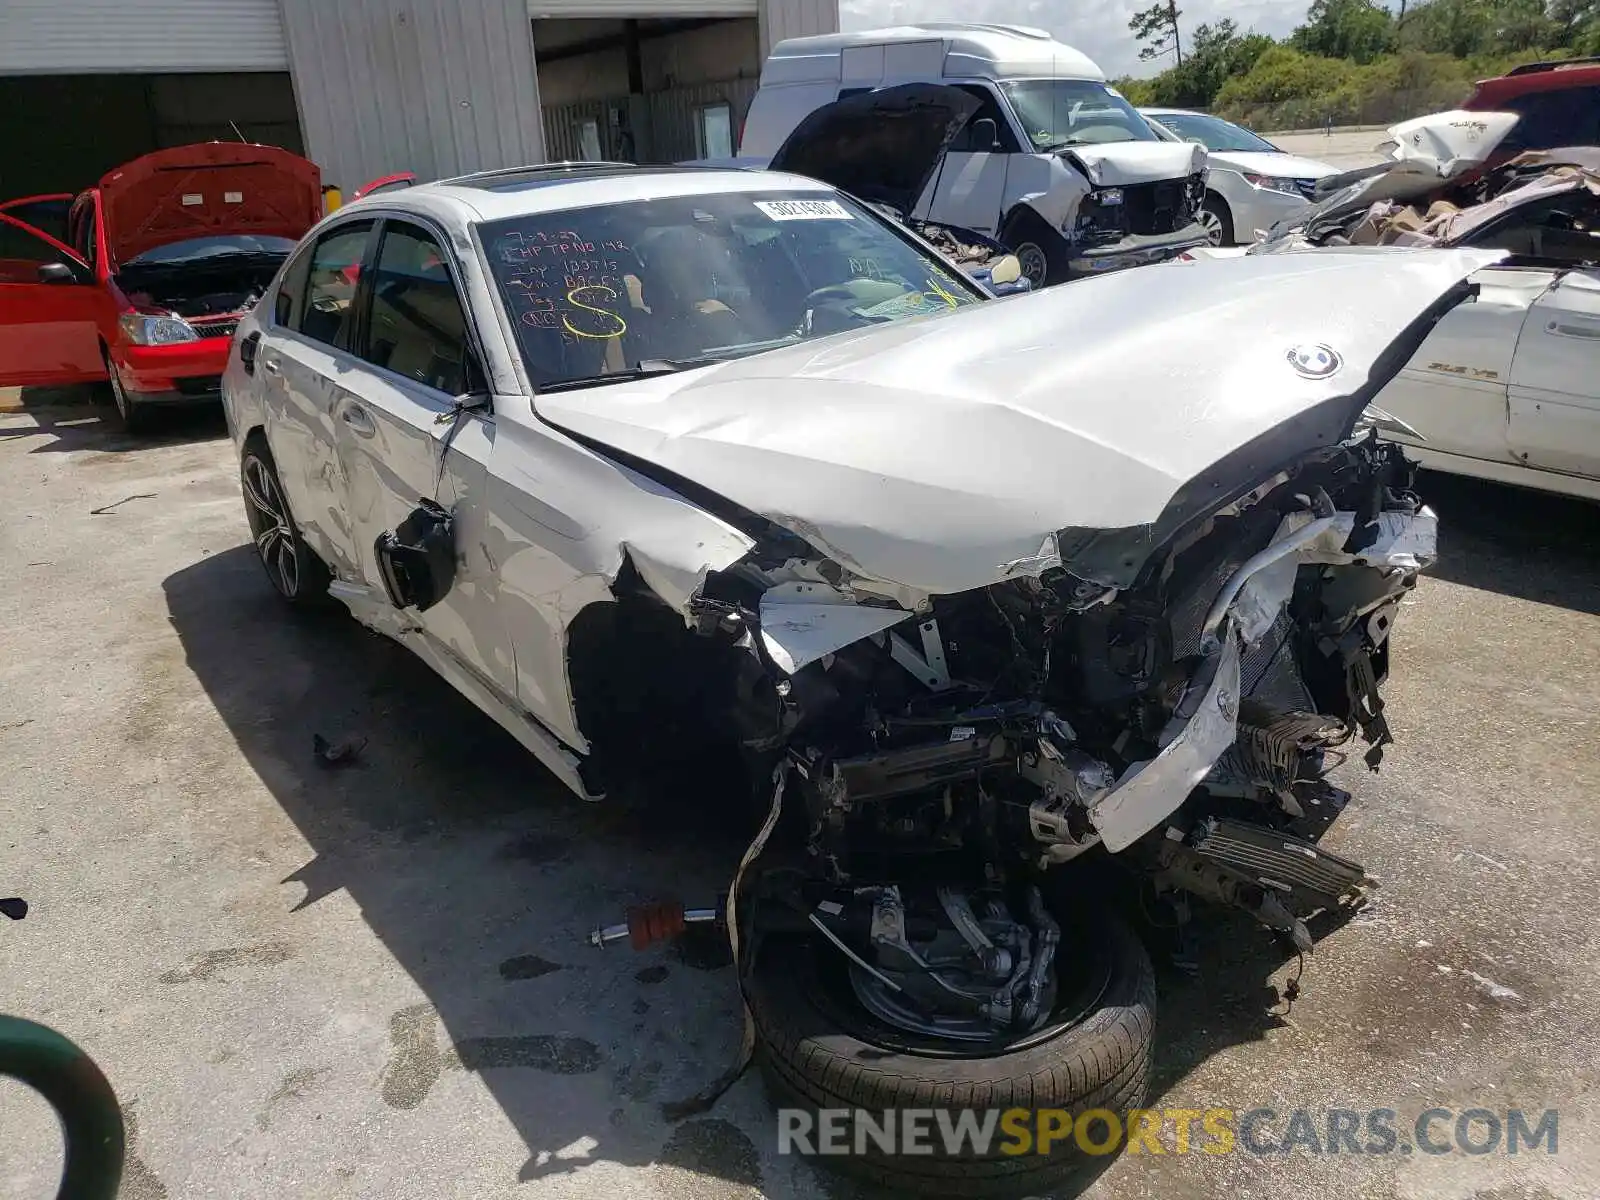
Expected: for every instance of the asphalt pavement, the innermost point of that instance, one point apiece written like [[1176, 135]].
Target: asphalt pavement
[[371, 980]]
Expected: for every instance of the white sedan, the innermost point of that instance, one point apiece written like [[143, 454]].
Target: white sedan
[[1251, 185], [686, 476], [1507, 386]]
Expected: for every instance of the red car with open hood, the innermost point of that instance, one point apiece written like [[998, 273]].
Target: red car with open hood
[[143, 278]]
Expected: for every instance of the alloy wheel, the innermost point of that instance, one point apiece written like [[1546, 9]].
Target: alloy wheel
[[1212, 224], [1035, 265], [269, 523]]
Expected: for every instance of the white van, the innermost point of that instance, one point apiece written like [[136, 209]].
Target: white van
[[1055, 163]]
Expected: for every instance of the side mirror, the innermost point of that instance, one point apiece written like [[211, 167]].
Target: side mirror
[[1006, 270], [985, 135], [56, 273]]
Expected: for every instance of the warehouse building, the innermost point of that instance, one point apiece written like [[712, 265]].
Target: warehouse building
[[370, 87]]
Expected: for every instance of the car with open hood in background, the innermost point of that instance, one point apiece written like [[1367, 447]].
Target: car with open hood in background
[[1507, 386], [1251, 184], [698, 480], [141, 280], [1053, 162]]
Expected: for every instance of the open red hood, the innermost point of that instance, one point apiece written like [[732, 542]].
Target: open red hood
[[205, 190]]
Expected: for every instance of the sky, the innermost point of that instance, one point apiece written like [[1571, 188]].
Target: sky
[[1097, 27]]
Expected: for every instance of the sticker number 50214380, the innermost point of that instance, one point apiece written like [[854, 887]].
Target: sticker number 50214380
[[804, 210]]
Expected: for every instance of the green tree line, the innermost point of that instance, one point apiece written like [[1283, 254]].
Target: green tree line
[[1353, 61]]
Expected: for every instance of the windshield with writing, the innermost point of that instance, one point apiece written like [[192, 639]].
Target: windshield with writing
[[1075, 112], [604, 293]]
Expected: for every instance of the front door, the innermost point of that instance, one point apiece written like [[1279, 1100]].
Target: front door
[[1555, 378], [49, 324], [395, 420], [968, 188]]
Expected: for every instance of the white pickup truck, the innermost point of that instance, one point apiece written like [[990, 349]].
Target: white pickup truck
[[1053, 162]]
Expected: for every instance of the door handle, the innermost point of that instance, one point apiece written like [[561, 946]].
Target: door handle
[[359, 420], [269, 365], [1563, 329]]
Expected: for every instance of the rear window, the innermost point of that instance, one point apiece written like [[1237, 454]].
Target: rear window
[[595, 292]]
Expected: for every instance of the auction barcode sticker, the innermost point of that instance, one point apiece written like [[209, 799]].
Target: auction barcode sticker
[[804, 210]]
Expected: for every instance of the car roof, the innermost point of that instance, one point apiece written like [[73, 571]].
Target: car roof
[[1553, 76], [557, 187]]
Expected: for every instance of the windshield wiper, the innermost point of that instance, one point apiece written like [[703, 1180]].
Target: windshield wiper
[[643, 369]]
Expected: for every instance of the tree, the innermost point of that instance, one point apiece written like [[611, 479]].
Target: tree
[[1157, 28], [1216, 54], [1358, 30]]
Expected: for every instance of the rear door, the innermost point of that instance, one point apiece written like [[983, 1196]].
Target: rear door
[[1555, 378], [401, 439], [305, 348], [48, 330]]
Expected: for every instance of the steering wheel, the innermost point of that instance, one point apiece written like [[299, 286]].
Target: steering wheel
[[832, 292]]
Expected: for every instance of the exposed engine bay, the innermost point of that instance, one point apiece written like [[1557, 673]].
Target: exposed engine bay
[[947, 761], [202, 290]]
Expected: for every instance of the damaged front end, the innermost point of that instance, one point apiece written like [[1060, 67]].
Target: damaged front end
[[947, 760]]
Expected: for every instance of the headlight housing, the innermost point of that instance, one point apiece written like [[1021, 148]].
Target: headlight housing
[[145, 329], [1273, 183]]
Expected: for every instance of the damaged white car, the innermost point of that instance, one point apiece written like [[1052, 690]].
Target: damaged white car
[[677, 473]]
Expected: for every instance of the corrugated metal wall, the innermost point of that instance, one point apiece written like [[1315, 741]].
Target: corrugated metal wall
[[73, 37], [782, 19], [438, 87], [664, 122]]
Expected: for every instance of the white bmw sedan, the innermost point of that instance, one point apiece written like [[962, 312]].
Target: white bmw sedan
[[688, 475]]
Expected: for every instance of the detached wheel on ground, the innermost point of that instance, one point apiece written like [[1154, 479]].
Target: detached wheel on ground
[[296, 573], [1217, 219], [132, 416], [1040, 249], [820, 1050]]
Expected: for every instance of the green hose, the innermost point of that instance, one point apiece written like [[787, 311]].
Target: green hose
[[91, 1121]]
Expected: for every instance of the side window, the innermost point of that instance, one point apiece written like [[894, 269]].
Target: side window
[[22, 253], [290, 287], [1569, 117], [417, 327], [965, 141], [331, 283]]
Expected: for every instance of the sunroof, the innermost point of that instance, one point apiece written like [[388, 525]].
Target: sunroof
[[519, 179]]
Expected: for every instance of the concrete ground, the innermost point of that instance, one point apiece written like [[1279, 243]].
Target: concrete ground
[[371, 981], [1344, 148]]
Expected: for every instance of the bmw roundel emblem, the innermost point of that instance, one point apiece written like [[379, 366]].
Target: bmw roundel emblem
[[1315, 362]]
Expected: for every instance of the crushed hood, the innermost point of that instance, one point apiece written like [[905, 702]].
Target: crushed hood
[[1449, 143], [1120, 164], [206, 190], [882, 145], [942, 453], [1424, 154]]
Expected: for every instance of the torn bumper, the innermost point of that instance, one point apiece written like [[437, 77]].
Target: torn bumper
[[1135, 251], [1150, 791]]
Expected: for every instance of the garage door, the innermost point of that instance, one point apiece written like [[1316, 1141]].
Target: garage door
[[540, 9], [60, 37]]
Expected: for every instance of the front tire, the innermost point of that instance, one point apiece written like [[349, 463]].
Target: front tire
[[1217, 219], [815, 1056], [1040, 249], [132, 417], [292, 567]]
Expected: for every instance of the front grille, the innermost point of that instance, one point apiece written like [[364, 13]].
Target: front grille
[[200, 385], [211, 329]]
